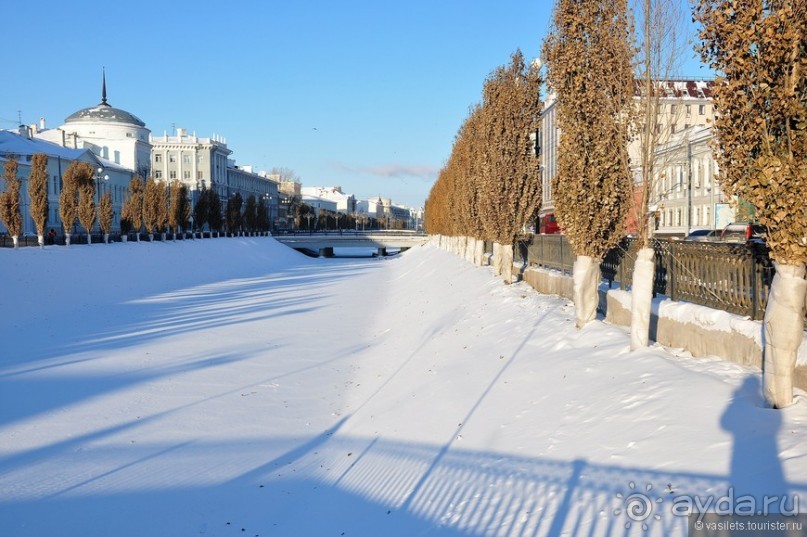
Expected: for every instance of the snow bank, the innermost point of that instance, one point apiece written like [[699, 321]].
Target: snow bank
[[234, 387], [707, 318]]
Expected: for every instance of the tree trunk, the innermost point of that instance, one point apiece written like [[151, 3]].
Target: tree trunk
[[641, 298], [67, 239], [41, 240], [106, 238], [151, 237], [497, 259], [479, 254], [507, 262], [783, 329], [586, 282], [124, 237], [16, 240]]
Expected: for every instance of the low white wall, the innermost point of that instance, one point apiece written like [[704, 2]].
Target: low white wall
[[697, 329]]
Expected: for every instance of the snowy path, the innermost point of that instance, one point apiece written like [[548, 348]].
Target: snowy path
[[234, 387]]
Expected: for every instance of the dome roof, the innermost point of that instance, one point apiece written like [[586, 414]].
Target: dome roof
[[104, 113]]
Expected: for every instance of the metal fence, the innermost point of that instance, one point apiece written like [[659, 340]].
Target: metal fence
[[732, 277]]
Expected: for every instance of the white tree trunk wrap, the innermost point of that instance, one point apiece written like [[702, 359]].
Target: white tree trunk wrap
[[783, 332], [67, 239], [641, 298], [586, 277], [479, 254], [469, 249], [507, 263], [124, 238], [106, 238], [497, 259], [41, 240], [15, 239]]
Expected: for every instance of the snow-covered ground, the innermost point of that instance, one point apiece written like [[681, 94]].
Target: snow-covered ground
[[235, 387]]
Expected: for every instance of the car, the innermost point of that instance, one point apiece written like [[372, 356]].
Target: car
[[703, 235], [743, 232]]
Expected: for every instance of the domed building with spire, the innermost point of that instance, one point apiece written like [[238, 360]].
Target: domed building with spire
[[113, 134]]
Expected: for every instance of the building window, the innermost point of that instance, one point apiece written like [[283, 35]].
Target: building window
[[701, 109], [199, 175], [689, 110], [173, 174], [186, 174], [186, 159], [672, 109], [158, 158], [158, 174], [129, 135], [172, 158]]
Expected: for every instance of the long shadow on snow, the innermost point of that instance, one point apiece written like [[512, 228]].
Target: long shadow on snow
[[321, 486], [35, 384]]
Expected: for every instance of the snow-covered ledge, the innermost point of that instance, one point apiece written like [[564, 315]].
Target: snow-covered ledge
[[702, 331], [697, 329]]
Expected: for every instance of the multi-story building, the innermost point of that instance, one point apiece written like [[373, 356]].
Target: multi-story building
[[682, 105], [245, 181], [197, 162], [686, 194]]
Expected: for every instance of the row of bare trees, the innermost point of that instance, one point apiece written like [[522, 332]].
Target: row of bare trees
[[156, 207], [490, 187], [608, 79], [150, 205]]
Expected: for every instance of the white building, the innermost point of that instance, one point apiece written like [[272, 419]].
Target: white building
[[686, 194], [110, 133], [684, 104], [196, 161], [22, 146], [345, 203]]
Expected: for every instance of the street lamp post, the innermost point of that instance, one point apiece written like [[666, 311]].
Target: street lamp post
[[99, 175]]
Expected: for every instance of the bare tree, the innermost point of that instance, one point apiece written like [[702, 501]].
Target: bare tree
[[201, 211], [284, 175], [135, 205], [178, 209], [106, 215], [151, 206], [759, 48], [126, 219], [38, 194], [68, 198], [588, 55], [86, 201], [161, 206], [511, 184], [659, 54], [10, 202]]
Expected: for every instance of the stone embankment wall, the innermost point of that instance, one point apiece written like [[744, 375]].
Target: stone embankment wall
[[738, 340]]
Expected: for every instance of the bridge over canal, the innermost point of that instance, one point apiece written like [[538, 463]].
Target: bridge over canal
[[323, 243]]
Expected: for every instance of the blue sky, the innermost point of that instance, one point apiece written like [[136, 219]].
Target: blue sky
[[367, 95]]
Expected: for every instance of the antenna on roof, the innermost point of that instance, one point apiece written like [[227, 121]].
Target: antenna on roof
[[103, 86]]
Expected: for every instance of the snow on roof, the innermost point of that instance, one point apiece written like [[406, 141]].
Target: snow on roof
[[13, 143]]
